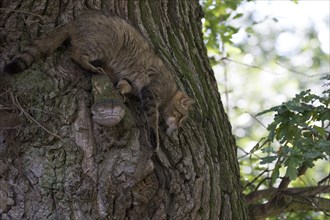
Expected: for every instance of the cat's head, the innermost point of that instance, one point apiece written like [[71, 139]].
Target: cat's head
[[177, 110]]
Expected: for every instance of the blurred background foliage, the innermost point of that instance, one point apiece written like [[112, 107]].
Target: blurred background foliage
[[274, 53]]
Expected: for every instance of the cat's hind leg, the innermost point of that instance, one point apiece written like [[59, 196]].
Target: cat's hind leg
[[85, 62]]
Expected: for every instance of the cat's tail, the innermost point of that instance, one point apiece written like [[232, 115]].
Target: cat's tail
[[39, 48]]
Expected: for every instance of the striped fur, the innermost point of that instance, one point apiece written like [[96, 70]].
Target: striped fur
[[110, 45]]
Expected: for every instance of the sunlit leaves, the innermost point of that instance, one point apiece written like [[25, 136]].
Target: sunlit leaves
[[217, 30], [298, 133], [268, 159], [292, 164], [300, 127]]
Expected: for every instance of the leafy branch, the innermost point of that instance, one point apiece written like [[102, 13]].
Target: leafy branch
[[300, 127], [300, 132]]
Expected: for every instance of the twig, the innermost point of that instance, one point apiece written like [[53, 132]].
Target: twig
[[257, 177], [14, 98], [323, 180], [47, 112], [4, 92], [255, 118], [313, 203], [247, 65], [301, 73], [268, 71], [24, 12], [261, 182], [286, 180], [244, 151]]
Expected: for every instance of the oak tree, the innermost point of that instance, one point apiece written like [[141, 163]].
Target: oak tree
[[57, 162]]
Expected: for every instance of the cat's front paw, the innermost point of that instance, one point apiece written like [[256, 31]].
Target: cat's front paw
[[170, 130], [124, 87], [172, 124], [100, 70]]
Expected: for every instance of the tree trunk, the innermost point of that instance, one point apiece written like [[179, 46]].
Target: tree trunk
[[56, 162]]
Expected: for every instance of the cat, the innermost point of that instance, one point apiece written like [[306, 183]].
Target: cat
[[108, 44]]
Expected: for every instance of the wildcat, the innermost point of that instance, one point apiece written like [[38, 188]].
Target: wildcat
[[110, 45]]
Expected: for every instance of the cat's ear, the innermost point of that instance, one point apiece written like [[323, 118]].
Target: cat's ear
[[186, 102]]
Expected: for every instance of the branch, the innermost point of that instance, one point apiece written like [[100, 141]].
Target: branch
[[286, 180], [302, 191], [257, 177], [288, 200], [324, 180], [290, 203]]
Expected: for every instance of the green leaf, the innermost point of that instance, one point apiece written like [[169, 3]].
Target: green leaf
[[311, 155], [291, 172], [238, 16], [323, 146], [275, 175], [292, 164], [268, 149], [273, 109], [249, 30], [271, 129], [285, 150], [275, 19], [268, 159], [320, 130]]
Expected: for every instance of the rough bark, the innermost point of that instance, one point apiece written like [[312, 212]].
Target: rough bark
[[56, 162]]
